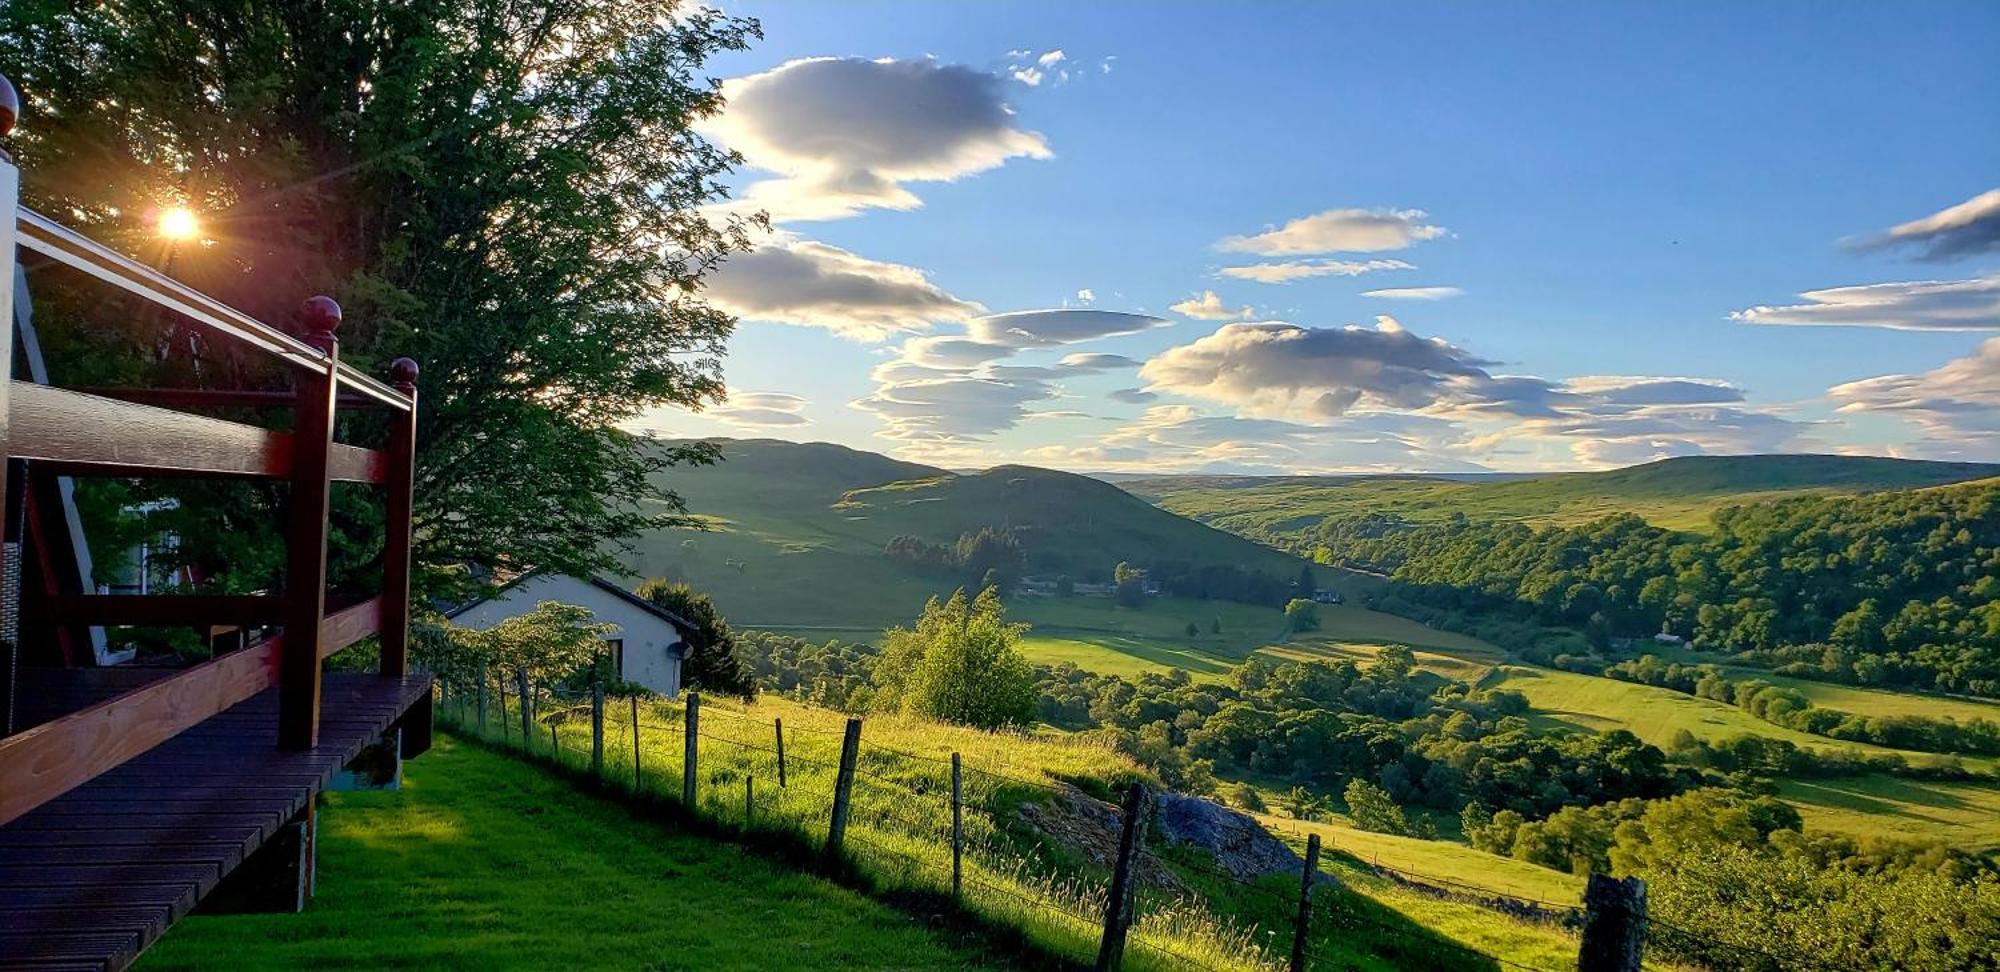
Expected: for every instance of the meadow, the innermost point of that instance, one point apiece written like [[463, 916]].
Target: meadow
[[483, 862], [1965, 814]]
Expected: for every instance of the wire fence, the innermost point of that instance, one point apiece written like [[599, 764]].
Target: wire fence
[[928, 823]]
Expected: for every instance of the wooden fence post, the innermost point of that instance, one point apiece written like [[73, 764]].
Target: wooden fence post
[[482, 698], [689, 759], [506, 725], [749, 800], [635, 745], [779, 723], [957, 830], [555, 743], [310, 496], [1308, 876], [843, 787], [1614, 925], [1118, 905], [527, 716], [597, 729]]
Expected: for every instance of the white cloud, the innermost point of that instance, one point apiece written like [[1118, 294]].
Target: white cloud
[[762, 409], [952, 353], [1040, 328], [1415, 293], [1087, 296], [1032, 77], [951, 409], [1339, 231], [1279, 370], [1176, 438], [1924, 305], [1971, 228], [845, 134], [1290, 270], [810, 284], [1050, 58], [1611, 391], [1956, 406], [1209, 307]]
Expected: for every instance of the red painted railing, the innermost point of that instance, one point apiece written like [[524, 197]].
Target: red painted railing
[[140, 432]]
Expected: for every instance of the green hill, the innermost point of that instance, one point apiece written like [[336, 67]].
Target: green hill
[[1673, 493]]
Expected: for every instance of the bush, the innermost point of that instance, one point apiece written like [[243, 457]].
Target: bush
[[959, 664]]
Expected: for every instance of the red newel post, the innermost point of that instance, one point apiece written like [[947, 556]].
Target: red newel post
[[400, 484], [305, 560]]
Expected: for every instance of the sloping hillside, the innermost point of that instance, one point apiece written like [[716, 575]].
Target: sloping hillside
[[1673, 493], [797, 532]]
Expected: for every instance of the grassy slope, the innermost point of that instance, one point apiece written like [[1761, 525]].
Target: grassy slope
[[1968, 815], [482, 862], [1673, 493]]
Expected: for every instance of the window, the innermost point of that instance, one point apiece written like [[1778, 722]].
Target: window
[[615, 649]]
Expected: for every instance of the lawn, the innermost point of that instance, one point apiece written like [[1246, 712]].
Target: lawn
[[483, 862], [1965, 814]]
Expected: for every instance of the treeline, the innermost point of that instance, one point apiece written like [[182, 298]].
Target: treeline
[[1790, 708], [1902, 587], [999, 557], [982, 558], [1425, 741]]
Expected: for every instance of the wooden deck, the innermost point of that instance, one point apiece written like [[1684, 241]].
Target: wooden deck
[[90, 879]]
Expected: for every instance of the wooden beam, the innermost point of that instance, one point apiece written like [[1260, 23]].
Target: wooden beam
[[184, 398], [195, 610], [399, 486], [349, 625], [51, 759], [305, 534], [85, 433], [353, 464]]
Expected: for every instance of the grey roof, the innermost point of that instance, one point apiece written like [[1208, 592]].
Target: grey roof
[[684, 626]]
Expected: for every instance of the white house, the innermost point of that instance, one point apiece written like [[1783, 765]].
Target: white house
[[646, 647]]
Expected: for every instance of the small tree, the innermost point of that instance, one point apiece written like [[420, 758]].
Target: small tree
[[959, 664], [1372, 809], [1215, 626], [1304, 804], [550, 643], [1130, 585], [710, 662], [1301, 615], [1193, 630]]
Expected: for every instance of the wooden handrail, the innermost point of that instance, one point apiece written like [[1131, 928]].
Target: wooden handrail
[[51, 239], [56, 757], [183, 398], [349, 625], [161, 609]]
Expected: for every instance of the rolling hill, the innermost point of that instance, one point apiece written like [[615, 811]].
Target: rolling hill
[[1673, 493]]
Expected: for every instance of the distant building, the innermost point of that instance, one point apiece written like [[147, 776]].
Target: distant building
[[646, 648], [1668, 639], [1083, 589], [1324, 596]]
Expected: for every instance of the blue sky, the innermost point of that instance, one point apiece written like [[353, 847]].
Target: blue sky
[[1625, 201]]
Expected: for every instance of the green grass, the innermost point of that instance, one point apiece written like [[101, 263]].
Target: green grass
[[1965, 814], [1656, 714], [1861, 700], [1440, 860], [1677, 494], [482, 862]]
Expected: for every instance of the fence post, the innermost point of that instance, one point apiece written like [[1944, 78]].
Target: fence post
[[843, 787], [482, 698], [688, 751], [779, 722], [635, 745], [527, 717], [1614, 925], [399, 485], [506, 730], [317, 391], [749, 799], [1308, 876], [555, 744], [957, 830], [1119, 903], [597, 729]]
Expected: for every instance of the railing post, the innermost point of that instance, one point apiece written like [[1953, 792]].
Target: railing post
[[1614, 925], [400, 485], [1308, 876], [690, 755], [1118, 905], [843, 789], [10, 201], [305, 555]]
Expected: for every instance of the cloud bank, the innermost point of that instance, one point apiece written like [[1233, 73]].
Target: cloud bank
[[1969, 229], [809, 284], [1924, 305], [1956, 407], [1339, 231]]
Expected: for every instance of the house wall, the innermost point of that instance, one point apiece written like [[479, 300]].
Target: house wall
[[652, 646]]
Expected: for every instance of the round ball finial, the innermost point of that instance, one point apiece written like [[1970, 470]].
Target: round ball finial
[[403, 373], [319, 317], [10, 106]]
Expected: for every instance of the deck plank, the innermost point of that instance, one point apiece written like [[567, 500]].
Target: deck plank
[[90, 879]]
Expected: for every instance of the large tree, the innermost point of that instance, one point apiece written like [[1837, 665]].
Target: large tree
[[509, 192]]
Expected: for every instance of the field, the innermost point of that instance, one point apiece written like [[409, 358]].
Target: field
[[1441, 861], [1677, 494], [1016, 876], [1852, 698], [483, 862], [1966, 814], [1656, 714]]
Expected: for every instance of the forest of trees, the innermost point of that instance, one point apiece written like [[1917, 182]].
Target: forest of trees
[[1899, 589]]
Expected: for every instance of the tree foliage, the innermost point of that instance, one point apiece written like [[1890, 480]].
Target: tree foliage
[[507, 192], [711, 662], [959, 664]]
